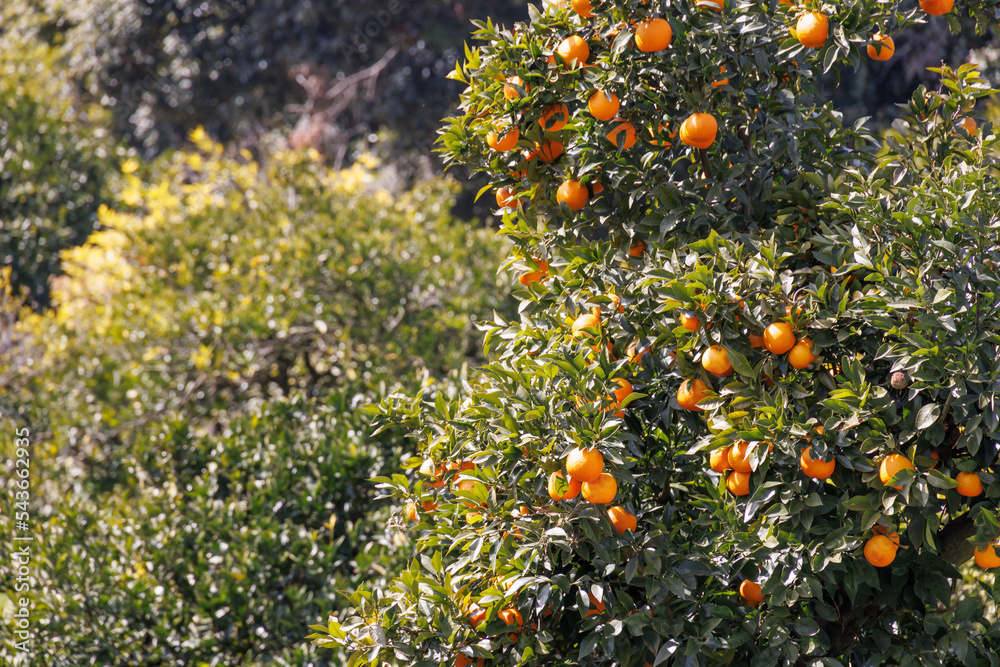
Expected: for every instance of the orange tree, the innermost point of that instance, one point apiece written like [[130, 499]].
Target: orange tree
[[747, 414]]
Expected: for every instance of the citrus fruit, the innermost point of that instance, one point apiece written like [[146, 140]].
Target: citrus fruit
[[893, 464], [713, 5], [411, 511], [585, 465], [509, 90], [636, 351], [756, 341], [574, 51], [428, 469], [622, 519], [689, 322], [477, 616], [739, 457], [625, 141], [937, 7], [719, 459], [816, 468], [503, 140], [602, 106], [583, 8], [811, 29], [691, 393], [554, 118], [653, 35], [511, 617], [573, 194], [506, 197], [882, 530], [987, 557], [661, 137], [969, 484], [715, 360], [968, 124], [462, 660], [723, 81], [601, 490], [585, 321], [548, 150], [750, 592], [779, 337], [801, 355], [880, 551], [535, 276], [881, 47], [637, 249], [699, 130], [621, 393], [738, 483], [568, 490]]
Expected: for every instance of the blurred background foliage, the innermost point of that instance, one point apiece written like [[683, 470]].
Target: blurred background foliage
[[197, 401], [195, 389]]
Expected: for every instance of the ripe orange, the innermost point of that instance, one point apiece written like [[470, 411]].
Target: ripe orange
[[713, 5], [882, 530], [583, 8], [635, 352], [756, 341], [719, 459], [573, 194], [969, 484], [534, 276], [880, 551], [616, 303], [462, 660], [816, 468], [585, 465], [689, 322], [661, 137], [477, 616], [968, 124], [699, 130], [691, 393], [750, 592], [548, 151], [428, 505], [596, 607], [585, 321], [723, 81], [601, 490], [513, 617], [637, 249], [506, 197], [559, 489], [801, 355], [738, 483], [653, 35], [739, 457], [574, 51], [715, 360], [779, 337], [602, 106], [937, 7], [893, 464], [554, 118], [881, 47], [624, 142], [505, 141], [811, 29], [620, 394], [987, 557], [510, 92], [428, 469], [411, 511], [622, 519]]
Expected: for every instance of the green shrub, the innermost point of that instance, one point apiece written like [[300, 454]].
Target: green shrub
[[54, 157], [201, 388]]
